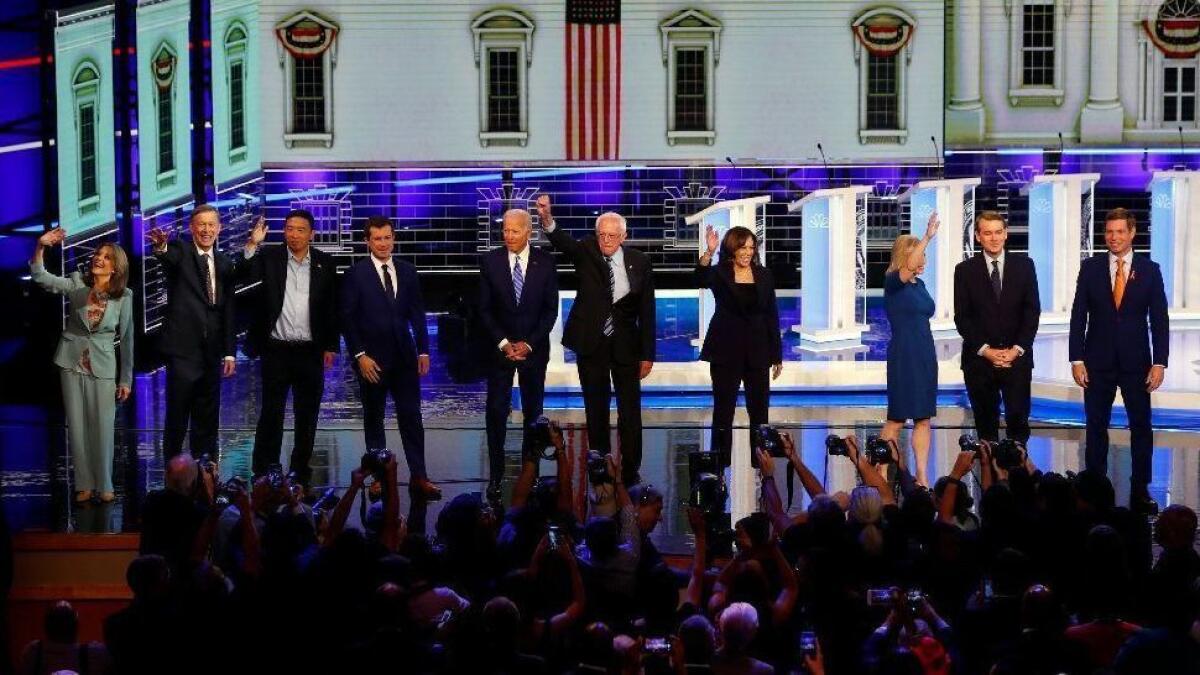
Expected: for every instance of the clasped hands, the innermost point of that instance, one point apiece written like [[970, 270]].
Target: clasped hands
[[516, 351], [1001, 358]]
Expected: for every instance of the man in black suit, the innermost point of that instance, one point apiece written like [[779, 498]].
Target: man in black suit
[[996, 311], [610, 329], [197, 336], [518, 305], [1120, 304], [294, 332], [383, 319]]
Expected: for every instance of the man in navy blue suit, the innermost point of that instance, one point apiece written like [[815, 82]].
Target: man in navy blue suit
[[518, 305], [383, 318], [1119, 338]]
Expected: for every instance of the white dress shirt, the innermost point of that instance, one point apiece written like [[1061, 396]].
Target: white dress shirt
[[391, 272], [523, 256], [988, 259], [212, 272]]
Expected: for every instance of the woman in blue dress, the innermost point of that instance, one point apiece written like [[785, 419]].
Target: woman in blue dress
[[911, 359]]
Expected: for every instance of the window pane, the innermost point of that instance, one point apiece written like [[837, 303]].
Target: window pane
[[1171, 79], [87, 150], [1187, 109], [1187, 78], [691, 95], [308, 96], [504, 91], [1037, 46], [237, 106], [1169, 109], [166, 132], [883, 86]]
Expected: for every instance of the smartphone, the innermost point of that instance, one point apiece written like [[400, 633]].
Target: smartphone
[[657, 645], [879, 597], [808, 643], [554, 534]]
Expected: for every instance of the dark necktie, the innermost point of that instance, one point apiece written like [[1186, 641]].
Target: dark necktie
[[996, 277], [518, 280], [387, 282], [612, 290], [209, 291]]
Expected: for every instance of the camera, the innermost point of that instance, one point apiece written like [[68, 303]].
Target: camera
[[878, 451], [879, 597], [205, 463], [326, 501], [836, 446], [228, 491], [537, 437], [708, 494], [275, 476], [375, 463], [808, 643], [597, 468], [1009, 454], [968, 443], [767, 437]]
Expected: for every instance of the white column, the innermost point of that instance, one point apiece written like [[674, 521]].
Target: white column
[[964, 113], [1103, 120]]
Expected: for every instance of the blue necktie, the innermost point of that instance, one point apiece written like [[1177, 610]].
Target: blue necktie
[[612, 289], [518, 280]]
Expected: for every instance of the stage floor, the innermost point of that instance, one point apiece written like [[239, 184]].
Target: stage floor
[[817, 395]]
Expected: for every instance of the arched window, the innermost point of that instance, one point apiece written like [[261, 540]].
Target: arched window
[[883, 50], [308, 54], [503, 54], [1169, 66], [235, 77], [691, 50], [163, 68], [86, 86]]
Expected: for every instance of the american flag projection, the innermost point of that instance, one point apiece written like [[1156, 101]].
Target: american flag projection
[[593, 79]]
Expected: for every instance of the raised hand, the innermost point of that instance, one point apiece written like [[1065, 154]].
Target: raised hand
[[931, 227], [52, 237], [543, 209], [710, 239], [158, 237], [258, 233]]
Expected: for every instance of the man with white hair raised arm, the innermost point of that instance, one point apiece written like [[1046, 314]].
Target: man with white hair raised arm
[[610, 329]]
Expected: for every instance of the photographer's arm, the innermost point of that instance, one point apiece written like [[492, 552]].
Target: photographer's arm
[[524, 482], [772, 503], [566, 496], [390, 537], [807, 478], [341, 512], [251, 548], [695, 587], [204, 536], [870, 476], [564, 620], [785, 602], [962, 466]]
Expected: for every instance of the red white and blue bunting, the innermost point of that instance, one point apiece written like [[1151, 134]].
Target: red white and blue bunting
[[306, 38], [164, 69], [1177, 38], [883, 34]]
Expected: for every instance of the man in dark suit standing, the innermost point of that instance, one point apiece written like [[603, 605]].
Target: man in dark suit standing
[[383, 319], [996, 311], [610, 329], [197, 336], [1119, 339], [295, 334], [518, 305]]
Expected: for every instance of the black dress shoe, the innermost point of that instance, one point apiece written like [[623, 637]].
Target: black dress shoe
[[493, 491], [1143, 504]]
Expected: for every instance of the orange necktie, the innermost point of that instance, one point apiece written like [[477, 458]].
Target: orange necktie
[[1119, 284]]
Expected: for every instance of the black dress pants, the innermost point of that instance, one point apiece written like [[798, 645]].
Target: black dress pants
[[193, 399], [1097, 405], [531, 377], [986, 386], [297, 367], [599, 375], [404, 385], [727, 378]]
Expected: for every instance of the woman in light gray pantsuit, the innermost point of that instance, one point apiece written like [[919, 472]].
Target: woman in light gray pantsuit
[[101, 310]]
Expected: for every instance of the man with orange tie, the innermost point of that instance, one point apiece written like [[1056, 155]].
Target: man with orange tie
[[1119, 338]]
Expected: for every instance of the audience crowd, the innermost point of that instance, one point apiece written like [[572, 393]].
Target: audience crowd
[[1046, 575]]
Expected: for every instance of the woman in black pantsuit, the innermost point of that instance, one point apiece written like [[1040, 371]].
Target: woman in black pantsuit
[[743, 341]]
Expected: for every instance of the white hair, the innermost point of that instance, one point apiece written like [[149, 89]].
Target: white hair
[[739, 623], [519, 213], [611, 215]]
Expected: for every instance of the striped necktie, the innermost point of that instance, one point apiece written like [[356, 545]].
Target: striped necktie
[[612, 289], [518, 279]]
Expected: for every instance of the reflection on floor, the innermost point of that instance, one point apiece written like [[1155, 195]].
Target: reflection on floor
[[34, 471]]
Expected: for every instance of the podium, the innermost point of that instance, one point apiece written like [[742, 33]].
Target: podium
[[1175, 238], [832, 266], [954, 201], [1061, 214], [722, 216]]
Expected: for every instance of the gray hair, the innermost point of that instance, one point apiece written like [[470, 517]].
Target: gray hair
[[519, 213], [739, 623], [181, 473], [611, 215]]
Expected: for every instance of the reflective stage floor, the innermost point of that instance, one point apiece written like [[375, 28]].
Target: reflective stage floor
[[815, 397]]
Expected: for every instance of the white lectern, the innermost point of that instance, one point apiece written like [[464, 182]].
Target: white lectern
[[1175, 238], [722, 216], [1061, 214], [954, 201], [833, 265]]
